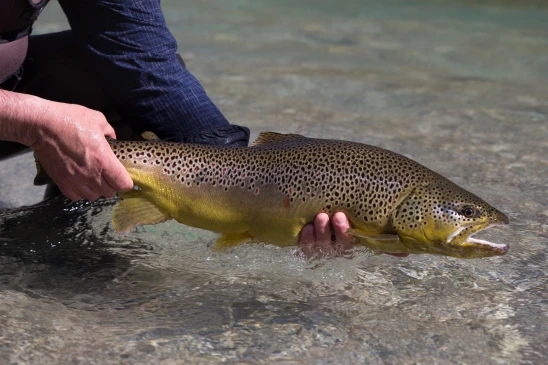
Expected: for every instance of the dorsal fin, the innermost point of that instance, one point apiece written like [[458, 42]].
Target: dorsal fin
[[273, 137], [149, 136]]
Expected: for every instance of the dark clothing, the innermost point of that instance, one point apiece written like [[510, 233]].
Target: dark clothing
[[121, 59], [17, 16], [16, 19]]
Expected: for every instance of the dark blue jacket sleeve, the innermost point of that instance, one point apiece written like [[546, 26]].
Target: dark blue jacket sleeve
[[134, 53]]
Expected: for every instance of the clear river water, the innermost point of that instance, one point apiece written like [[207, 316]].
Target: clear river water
[[460, 87]]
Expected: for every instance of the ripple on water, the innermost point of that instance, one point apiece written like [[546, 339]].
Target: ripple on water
[[163, 286]]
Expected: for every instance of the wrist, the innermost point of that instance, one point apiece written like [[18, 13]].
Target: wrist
[[22, 117]]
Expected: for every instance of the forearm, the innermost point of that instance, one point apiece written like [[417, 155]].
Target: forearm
[[20, 117]]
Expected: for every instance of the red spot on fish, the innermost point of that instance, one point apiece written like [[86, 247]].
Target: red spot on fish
[[286, 202], [257, 191], [243, 176], [290, 191]]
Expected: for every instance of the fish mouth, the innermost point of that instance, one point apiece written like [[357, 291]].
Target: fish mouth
[[464, 245]]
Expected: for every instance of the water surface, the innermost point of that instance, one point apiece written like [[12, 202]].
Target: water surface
[[458, 87]]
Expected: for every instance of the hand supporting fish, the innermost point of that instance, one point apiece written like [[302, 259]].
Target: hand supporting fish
[[393, 203], [326, 236]]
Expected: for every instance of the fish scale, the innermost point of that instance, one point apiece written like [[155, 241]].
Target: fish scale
[[269, 191], [302, 170]]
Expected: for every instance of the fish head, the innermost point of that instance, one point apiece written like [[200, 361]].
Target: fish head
[[440, 218]]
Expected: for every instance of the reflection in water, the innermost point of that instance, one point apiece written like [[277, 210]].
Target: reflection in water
[[162, 289], [462, 91]]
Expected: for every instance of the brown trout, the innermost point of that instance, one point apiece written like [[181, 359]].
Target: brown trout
[[269, 191]]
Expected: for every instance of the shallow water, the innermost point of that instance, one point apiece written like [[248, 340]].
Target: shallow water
[[457, 87]]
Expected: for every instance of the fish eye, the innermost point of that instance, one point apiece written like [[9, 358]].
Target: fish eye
[[470, 212]]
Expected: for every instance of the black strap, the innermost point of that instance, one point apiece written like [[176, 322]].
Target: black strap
[[35, 9], [11, 82], [24, 17]]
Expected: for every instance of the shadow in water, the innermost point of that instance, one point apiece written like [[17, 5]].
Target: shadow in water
[[52, 244]]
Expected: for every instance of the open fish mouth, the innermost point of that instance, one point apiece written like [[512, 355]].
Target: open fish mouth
[[496, 248], [466, 246]]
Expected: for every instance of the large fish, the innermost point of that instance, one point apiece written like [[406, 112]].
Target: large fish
[[269, 191]]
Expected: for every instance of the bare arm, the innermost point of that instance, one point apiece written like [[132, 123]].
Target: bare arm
[[17, 112], [69, 142]]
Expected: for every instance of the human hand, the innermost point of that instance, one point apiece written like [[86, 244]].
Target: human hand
[[69, 142], [317, 237]]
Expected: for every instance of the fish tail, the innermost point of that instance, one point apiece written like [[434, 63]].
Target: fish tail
[[42, 177]]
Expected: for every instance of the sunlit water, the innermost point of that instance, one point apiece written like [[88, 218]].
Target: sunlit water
[[459, 88], [162, 292]]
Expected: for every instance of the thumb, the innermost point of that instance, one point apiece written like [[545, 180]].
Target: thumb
[[108, 131]]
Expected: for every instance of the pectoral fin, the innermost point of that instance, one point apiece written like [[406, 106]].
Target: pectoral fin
[[228, 240], [135, 210], [389, 243]]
